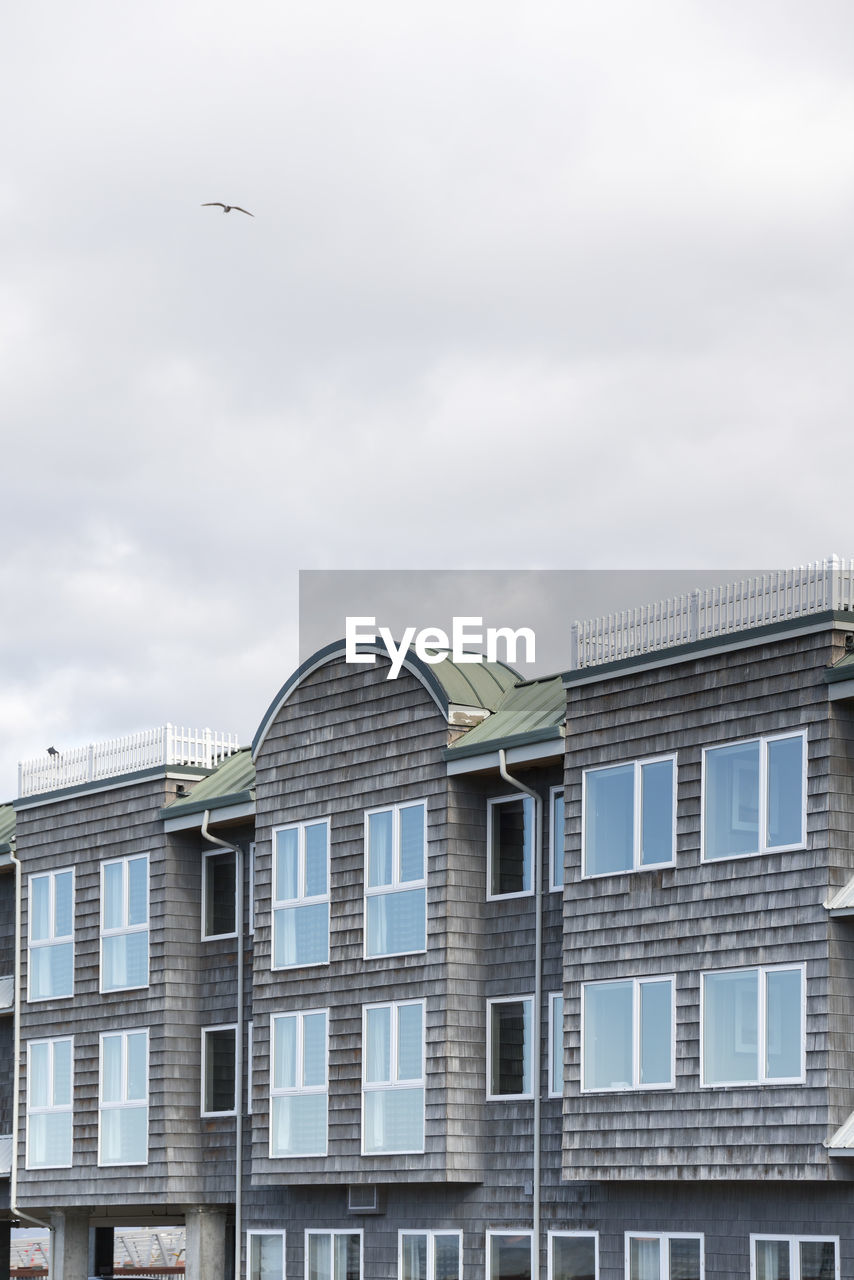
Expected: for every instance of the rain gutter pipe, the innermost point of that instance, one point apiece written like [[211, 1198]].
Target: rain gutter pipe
[[238, 1036], [16, 1068], [538, 993]]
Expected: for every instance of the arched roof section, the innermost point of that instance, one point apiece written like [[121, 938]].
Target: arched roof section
[[449, 683]]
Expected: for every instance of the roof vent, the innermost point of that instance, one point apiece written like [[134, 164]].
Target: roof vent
[[363, 1200]]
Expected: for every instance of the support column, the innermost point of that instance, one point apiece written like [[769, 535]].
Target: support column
[[70, 1246], [206, 1257]]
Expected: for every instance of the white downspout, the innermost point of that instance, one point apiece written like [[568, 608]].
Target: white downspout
[[238, 1035], [16, 1067], [538, 993]]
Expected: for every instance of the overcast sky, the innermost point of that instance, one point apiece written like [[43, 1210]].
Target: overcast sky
[[539, 286]]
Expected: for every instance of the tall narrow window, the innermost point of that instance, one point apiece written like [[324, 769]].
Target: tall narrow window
[[301, 895], [395, 880], [265, 1255], [510, 1047], [219, 1070], [51, 929], [574, 1255], [510, 845], [508, 1255], [429, 1255], [393, 1077], [219, 894], [754, 797], [795, 1257], [556, 1044], [124, 923], [660, 1256], [298, 1081], [333, 1255], [49, 1103], [556, 839], [123, 1108], [628, 816], [627, 1037], [753, 1026]]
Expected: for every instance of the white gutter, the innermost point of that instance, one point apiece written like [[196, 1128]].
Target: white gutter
[[14, 1210], [238, 1065], [538, 995]]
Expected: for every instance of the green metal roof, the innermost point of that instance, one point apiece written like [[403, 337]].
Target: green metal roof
[[232, 781], [474, 684], [841, 670], [532, 709], [7, 823]]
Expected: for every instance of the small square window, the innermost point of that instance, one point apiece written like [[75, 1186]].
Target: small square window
[[333, 1255], [219, 894], [510, 1047], [265, 1255], [627, 1039], [754, 797], [508, 1255], [219, 1070], [573, 1255], [628, 816], [430, 1255], [510, 843], [753, 1026], [794, 1257], [661, 1256]]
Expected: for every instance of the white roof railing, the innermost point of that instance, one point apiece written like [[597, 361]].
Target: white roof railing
[[166, 745], [714, 611]]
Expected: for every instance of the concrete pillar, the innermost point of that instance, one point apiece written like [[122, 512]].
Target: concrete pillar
[[5, 1240], [206, 1253], [70, 1246]]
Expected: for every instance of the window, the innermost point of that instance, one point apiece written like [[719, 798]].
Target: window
[[510, 1045], [627, 1039], [219, 1070], [794, 1258], [395, 880], [508, 1255], [333, 1255], [51, 949], [393, 1077], [49, 1103], [754, 797], [124, 923], [556, 1045], [123, 1105], [628, 816], [265, 1255], [299, 1083], [219, 894], [429, 1255], [510, 845], [573, 1255], [250, 1037], [301, 895], [664, 1257], [753, 1025], [556, 839]]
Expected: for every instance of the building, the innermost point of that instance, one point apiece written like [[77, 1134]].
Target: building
[[457, 976]]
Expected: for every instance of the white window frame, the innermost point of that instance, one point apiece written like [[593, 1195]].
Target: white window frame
[[508, 1097], [218, 853], [302, 899], [637, 816], [251, 894], [397, 885], [507, 1231], [794, 1252], [126, 1104], [260, 1231], [222, 1026], [338, 1231], [762, 1030], [125, 929], [54, 939], [556, 848], [250, 1037], [552, 1091], [635, 1086], [764, 847], [519, 797], [431, 1234], [52, 1109], [299, 1090], [586, 1235], [393, 1084], [664, 1255]]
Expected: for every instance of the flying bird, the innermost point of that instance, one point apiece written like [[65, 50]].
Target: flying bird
[[226, 208]]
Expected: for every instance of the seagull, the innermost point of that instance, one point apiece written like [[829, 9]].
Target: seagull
[[227, 208], [52, 751]]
